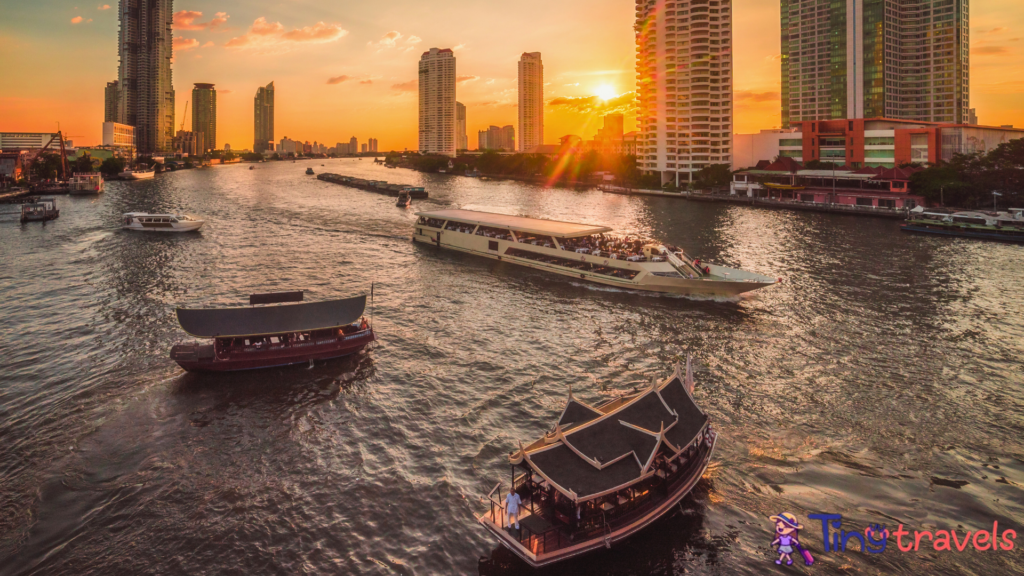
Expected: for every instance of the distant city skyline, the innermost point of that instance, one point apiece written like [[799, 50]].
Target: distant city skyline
[[352, 72]]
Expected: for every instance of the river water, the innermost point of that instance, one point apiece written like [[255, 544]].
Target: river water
[[882, 380]]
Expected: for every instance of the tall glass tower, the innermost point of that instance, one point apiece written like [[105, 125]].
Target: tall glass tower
[[146, 94], [263, 118]]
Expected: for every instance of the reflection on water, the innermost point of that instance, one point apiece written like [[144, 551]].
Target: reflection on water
[[881, 380]]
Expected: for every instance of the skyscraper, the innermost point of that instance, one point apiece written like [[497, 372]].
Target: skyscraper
[[460, 127], [437, 102], [110, 95], [531, 101], [144, 73], [263, 118], [906, 60], [204, 117], [684, 82]]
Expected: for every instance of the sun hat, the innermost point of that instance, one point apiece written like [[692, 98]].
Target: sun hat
[[787, 519]]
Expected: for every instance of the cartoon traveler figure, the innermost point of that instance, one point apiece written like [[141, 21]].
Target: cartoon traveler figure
[[787, 536]]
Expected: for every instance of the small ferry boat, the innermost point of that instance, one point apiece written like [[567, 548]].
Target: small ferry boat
[[252, 167], [266, 336], [41, 210], [998, 226], [160, 222], [86, 183], [404, 199], [309, 171], [474, 173], [584, 251], [138, 174], [604, 472]]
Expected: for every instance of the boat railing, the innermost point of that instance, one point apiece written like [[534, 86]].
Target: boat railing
[[301, 344]]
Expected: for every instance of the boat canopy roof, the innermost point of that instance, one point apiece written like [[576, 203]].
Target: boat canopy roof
[[263, 321], [520, 223], [592, 453]]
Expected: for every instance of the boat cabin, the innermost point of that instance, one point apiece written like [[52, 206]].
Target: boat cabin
[[41, 210]]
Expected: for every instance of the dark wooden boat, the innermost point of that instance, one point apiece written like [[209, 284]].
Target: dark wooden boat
[[268, 336], [41, 210], [604, 473]]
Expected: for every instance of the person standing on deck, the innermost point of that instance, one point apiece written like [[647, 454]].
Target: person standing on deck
[[512, 502]]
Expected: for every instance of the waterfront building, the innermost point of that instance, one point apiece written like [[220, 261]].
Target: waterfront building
[[204, 116], [905, 60], [185, 144], [353, 145], [118, 135], [364, 148], [146, 93], [263, 118], [110, 102], [460, 127], [26, 140], [871, 142], [531, 101], [610, 137], [437, 102], [684, 86], [12, 165]]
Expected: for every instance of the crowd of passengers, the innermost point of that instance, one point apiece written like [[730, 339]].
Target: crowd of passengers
[[256, 343], [583, 515]]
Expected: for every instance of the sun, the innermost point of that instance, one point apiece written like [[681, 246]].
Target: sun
[[605, 92]]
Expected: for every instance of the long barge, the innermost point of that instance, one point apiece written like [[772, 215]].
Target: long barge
[[998, 226], [583, 251], [378, 186], [603, 474]]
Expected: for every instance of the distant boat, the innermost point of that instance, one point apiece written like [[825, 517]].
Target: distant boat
[[309, 171], [40, 211], [138, 174], [160, 222], [999, 226], [86, 183], [251, 167], [474, 173], [404, 199]]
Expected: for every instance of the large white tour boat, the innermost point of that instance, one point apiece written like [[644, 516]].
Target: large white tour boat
[[587, 252], [160, 222]]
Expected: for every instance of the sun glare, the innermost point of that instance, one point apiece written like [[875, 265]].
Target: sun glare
[[605, 92]]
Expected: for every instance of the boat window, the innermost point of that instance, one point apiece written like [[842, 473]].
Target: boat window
[[491, 232], [492, 245], [174, 220]]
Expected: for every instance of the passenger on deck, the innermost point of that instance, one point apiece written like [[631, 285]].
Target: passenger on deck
[[512, 502], [364, 325]]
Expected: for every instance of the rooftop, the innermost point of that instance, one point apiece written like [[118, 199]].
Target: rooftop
[[518, 223]]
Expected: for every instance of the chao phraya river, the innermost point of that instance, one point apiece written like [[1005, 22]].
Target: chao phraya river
[[881, 381]]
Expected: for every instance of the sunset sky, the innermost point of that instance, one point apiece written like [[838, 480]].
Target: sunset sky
[[346, 68]]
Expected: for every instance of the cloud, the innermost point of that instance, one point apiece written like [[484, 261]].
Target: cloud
[[586, 104], [413, 40], [224, 91], [338, 79], [458, 47], [181, 44], [410, 86], [265, 34], [996, 30], [465, 79], [186, 20], [751, 96], [76, 20], [103, 7], [990, 50], [207, 45], [386, 41], [367, 81]]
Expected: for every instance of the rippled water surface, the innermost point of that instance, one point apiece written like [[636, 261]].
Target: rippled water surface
[[882, 381]]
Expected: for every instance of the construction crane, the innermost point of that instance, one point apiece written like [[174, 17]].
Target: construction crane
[[183, 117], [33, 156]]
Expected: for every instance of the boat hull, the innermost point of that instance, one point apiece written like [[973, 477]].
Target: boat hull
[[649, 282], [201, 358], [52, 215], [166, 226], [537, 560], [137, 175], [961, 233]]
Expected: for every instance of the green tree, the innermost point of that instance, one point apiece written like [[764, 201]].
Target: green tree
[[82, 164], [112, 166]]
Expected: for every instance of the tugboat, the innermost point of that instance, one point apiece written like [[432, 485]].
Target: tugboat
[[404, 199], [603, 473], [41, 210], [266, 336], [309, 171]]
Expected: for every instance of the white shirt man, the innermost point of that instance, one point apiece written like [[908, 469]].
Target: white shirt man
[[512, 502]]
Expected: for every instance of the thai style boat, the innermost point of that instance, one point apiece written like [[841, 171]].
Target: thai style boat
[[604, 472], [267, 336], [998, 226], [160, 222], [584, 251], [41, 210]]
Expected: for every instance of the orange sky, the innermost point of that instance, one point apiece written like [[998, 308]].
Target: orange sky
[[348, 69]]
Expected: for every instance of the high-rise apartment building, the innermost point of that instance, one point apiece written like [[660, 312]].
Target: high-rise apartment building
[[531, 101], [899, 59], [684, 83], [353, 145], [204, 117], [372, 143], [437, 102], [460, 127], [263, 118], [110, 95], [146, 93]]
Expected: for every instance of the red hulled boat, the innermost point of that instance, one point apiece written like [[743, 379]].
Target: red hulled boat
[[267, 336]]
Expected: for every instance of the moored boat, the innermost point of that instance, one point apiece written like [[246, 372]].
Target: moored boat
[[86, 183], [41, 210], [138, 174], [160, 222], [262, 336], [583, 251], [603, 473], [998, 226]]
